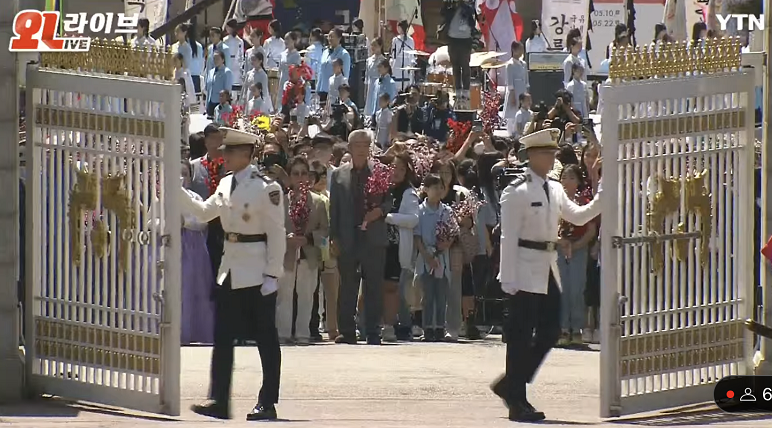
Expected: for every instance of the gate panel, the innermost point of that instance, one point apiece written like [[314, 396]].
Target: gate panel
[[103, 263], [676, 235]]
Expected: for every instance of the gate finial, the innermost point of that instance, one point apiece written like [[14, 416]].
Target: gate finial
[[669, 60]]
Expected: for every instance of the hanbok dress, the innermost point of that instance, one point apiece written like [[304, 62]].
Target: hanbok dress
[[371, 78], [197, 282]]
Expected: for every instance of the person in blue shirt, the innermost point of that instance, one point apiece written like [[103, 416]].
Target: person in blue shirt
[[218, 79], [223, 109], [384, 85], [433, 261], [215, 35], [192, 52], [314, 54], [437, 114], [333, 52]]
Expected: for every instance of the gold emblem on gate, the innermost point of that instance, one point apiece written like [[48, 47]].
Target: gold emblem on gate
[[667, 201], [115, 198]]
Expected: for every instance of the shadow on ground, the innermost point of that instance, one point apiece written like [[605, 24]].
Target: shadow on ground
[[55, 407]]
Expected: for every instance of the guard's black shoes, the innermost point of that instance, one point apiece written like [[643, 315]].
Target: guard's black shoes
[[374, 340], [521, 411], [262, 413], [212, 409], [499, 387]]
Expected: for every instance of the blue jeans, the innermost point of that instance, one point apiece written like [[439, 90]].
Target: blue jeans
[[573, 278], [405, 282], [435, 300]]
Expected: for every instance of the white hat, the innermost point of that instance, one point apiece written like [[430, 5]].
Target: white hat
[[235, 137], [546, 138]]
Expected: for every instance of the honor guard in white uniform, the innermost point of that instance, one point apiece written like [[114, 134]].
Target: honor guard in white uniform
[[251, 209], [531, 207]]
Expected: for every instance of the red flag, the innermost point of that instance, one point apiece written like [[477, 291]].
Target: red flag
[[766, 251], [501, 25]]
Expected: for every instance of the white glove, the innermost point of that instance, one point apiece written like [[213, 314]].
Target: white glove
[[270, 285], [509, 288]]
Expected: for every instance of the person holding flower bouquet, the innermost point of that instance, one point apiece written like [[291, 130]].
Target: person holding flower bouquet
[[307, 230], [400, 223], [361, 250], [434, 234]]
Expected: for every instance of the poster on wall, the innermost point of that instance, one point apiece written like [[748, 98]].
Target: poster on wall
[[558, 17]]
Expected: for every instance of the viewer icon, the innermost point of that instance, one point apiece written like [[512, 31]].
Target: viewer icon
[[748, 396]]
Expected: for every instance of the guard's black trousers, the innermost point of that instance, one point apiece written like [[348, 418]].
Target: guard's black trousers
[[245, 314], [533, 328]]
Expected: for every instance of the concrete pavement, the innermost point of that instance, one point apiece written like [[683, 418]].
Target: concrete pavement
[[412, 385]]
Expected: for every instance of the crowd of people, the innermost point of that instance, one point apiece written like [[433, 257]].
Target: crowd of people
[[359, 271], [373, 273]]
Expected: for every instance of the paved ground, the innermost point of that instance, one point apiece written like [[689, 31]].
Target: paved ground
[[411, 385]]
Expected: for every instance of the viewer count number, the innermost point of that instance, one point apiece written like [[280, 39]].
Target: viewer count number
[[742, 394]]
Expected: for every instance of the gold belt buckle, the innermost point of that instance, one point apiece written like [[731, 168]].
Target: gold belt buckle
[[232, 237], [551, 246]]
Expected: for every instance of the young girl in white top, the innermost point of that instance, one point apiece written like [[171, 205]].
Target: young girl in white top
[[273, 45], [522, 117], [181, 73], [336, 80], [578, 89], [258, 75], [537, 42], [517, 80], [382, 122], [256, 104]]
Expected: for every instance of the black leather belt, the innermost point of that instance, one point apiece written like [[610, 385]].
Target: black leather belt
[[238, 237], [537, 245]]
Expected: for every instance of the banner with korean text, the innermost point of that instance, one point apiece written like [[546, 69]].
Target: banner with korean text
[[558, 17]]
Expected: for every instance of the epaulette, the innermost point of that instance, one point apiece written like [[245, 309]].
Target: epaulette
[[525, 178], [256, 174], [228, 173], [553, 179]]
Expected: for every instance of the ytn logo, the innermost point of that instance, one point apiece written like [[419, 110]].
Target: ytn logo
[[744, 21]]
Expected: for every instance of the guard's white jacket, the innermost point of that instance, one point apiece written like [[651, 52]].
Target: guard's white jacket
[[255, 207], [526, 214]]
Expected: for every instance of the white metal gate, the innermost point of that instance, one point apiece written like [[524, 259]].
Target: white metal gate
[[677, 228], [103, 252]]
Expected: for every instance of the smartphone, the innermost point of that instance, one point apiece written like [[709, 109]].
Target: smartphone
[[588, 127], [477, 126]]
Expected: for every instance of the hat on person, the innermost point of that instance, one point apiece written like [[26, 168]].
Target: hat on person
[[544, 139], [234, 137]]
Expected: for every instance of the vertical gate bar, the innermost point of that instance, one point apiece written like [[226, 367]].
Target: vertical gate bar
[[170, 335], [747, 154], [34, 211], [612, 192]]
